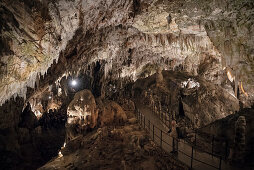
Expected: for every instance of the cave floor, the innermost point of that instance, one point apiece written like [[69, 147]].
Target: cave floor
[[124, 146]]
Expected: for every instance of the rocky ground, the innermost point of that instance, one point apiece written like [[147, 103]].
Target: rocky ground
[[114, 147]]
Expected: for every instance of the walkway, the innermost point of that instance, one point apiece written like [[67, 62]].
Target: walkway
[[158, 132]]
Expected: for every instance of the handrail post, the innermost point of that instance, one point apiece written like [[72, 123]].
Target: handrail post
[[168, 121], [153, 132], [173, 146], [141, 119], [161, 138], [195, 138], [220, 163], [191, 156], [144, 122], [149, 126], [226, 149], [138, 115], [212, 145]]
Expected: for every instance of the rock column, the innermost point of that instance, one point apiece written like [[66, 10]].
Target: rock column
[[159, 77], [239, 143]]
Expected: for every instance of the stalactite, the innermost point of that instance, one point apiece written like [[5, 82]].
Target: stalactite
[[162, 41]]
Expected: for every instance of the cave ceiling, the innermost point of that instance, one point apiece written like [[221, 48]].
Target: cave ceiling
[[49, 39]]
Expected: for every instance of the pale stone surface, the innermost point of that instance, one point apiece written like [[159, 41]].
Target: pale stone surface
[[83, 114], [203, 40]]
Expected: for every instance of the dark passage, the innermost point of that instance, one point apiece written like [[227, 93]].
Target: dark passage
[[181, 110]]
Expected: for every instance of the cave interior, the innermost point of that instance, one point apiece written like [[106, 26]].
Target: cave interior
[[127, 84]]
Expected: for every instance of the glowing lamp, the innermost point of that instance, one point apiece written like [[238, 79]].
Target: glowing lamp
[[74, 83]]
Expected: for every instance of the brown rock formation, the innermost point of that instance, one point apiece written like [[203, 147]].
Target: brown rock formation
[[84, 114]]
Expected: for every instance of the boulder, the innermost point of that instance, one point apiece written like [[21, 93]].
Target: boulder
[[82, 114], [111, 112], [82, 109]]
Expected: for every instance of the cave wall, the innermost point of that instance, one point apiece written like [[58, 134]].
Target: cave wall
[[125, 34], [26, 142], [45, 42]]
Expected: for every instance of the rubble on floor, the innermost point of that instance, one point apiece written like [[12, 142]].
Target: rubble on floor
[[114, 147]]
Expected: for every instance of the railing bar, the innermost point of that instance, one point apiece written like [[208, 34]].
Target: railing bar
[[166, 143], [200, 133], [184, 153], [212, 154], [205, 163], [140, 115], [157, 135]]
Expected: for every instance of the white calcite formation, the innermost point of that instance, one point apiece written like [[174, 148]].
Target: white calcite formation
[[82, 108], [83, 113], [125, 36], [35, 43], [190, 83]]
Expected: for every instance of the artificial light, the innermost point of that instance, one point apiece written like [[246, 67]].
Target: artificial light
[[73, 82]]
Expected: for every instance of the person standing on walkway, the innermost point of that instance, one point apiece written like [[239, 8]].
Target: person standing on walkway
[[174, 135]]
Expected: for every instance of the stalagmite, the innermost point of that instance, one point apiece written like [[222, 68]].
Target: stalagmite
[[239, 143]]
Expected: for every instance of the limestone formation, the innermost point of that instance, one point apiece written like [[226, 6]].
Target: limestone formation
[[239, 147], [189, 60], [195, 98], [111, 112], [237, 131], [128, 43], [159, 77], [83, 108], [84, 114]]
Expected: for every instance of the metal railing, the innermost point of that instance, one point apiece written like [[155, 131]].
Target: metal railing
[[159, 137], [222, 151]]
